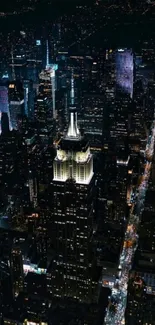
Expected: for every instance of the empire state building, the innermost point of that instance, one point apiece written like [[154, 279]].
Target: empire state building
[[73, 184]]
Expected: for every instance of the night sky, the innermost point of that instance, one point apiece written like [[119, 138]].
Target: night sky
[[7, 4]]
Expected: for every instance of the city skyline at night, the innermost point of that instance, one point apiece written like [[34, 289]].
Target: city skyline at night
[[77, 162]]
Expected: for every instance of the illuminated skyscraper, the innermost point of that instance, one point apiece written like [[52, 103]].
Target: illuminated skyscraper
[[32, 178], [16, 103], [4, 104], [3, 99], [124, 71], [42, 109], [17, 270], [48, 81], [33, 190], [26, 97], [47, 84], [29, 94], [73, 185]]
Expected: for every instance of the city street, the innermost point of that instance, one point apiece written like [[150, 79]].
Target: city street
[[119, 294]]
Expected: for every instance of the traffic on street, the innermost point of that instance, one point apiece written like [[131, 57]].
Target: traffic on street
[[115, 313]]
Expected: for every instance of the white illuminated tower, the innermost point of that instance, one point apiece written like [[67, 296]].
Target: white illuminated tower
[[51, 68], [48, 77], [81, 158], [73, 185], [72, 99]]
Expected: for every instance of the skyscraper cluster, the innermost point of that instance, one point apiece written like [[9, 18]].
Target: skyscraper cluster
[[76, 174]]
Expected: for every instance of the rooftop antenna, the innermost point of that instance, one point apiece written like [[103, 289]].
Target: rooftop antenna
[[72, 92], [73, 120]]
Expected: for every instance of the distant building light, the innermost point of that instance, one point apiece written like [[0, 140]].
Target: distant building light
[[123, 162], [20, 102], [22, 33], [29, 267], [62, 52], [5, 76], [38, 42]]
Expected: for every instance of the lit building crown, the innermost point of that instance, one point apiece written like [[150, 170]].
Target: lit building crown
[[74, 159], [73, 131]]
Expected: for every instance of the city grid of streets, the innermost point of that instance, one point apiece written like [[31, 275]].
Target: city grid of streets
[[119, 292]]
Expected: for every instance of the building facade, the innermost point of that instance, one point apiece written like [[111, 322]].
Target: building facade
[[73, 185]]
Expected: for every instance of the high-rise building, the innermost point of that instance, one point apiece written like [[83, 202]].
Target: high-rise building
[[9, 157], [124, 71], [33, 68], [17, 64], [3, 98], [16, 103], [43, 117], [120, 200], [91, 118], [32, 169], [73, 185], [4, 102], [33, 188], [17, 270], [4, 123], [120, 129], [26, 96], [136, 301], [29, 94], [42, 110], [47, 84]]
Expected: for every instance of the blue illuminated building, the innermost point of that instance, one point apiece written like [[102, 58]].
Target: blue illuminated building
[[124, 71]]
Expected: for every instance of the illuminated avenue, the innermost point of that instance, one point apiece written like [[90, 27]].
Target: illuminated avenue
[[119, 292]]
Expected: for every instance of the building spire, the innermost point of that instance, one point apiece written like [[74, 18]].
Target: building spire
[[47, 54], [73, 131], [72, 93]]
